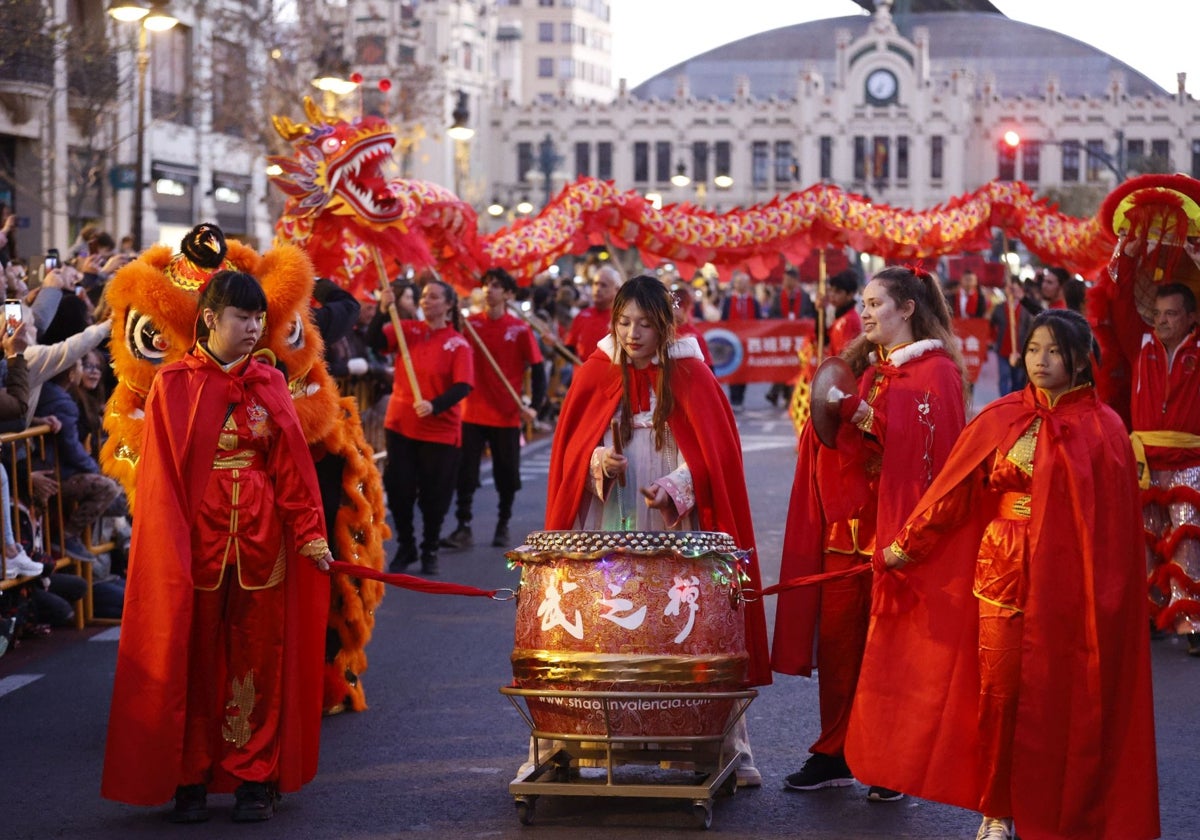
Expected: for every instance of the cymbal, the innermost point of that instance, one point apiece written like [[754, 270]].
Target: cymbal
[[834, 372]]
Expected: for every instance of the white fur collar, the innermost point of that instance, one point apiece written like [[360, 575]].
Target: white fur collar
[[909, 351], [682, 348]]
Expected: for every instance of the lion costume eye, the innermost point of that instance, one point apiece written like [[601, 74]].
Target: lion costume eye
[[295, 336], [144, 339]]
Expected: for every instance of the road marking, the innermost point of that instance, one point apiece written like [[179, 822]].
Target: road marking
[[11, 684]]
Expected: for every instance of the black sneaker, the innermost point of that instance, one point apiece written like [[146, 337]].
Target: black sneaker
[[461, 538], [191, 805], [429, 564], [254, 802], [820, 771], [875, 793], [404, 557], [500, 540]]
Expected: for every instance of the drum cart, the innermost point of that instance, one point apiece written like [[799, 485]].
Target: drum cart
[[556, 773]]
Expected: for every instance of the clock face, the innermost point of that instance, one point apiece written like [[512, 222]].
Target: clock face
[[881, 86]]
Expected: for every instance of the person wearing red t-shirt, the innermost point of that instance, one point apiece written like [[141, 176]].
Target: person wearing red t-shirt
[[490, 415], [592, 322], [424, 436], [846, 326]]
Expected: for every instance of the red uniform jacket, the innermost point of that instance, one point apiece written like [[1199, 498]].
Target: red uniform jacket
[[184, 414], [706, 433], [1083, 750], [918, 415], [1168, 400]]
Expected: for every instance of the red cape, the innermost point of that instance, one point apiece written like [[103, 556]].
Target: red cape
[[831, 485], [1083, 752], [149, 702], [703, 426]]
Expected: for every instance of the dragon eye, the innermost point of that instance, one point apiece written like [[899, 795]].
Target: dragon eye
[[295, 336], [144, 338], [330, 145]]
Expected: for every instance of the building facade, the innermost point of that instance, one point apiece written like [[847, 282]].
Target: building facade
[[910, 111], [69, 84]]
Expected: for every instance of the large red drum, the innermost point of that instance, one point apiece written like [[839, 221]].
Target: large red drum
[[635, 611]]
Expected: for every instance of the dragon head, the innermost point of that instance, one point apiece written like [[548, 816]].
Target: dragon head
[[357, 226], [337, 166]]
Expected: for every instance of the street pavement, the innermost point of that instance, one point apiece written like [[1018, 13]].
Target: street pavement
[[433, 755]]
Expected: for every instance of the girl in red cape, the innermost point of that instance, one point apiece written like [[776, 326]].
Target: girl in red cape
[[899, 429], [218, 682], [1008, 665], [683, 457]]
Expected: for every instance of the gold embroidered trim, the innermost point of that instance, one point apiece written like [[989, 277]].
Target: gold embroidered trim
[[900, 552], [868, 420], [314, 548], [238, 709], [240, 460], [227, 440], [1021, 454]]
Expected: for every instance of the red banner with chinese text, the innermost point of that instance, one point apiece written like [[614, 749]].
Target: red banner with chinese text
[[757, 351], [974, 336]]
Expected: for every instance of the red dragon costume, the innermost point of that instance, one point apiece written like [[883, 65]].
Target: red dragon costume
[[153, 301], [351, 219]]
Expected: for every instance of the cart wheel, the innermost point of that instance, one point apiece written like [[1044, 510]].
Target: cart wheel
[[526, 808], [702, 814]]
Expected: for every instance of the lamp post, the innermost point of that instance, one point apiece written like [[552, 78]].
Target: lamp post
[[151, 18], [461, 133], [548, 161], [1115, 164]]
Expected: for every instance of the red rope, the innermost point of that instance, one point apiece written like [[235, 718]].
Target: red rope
[[810, 580], [416, 584]]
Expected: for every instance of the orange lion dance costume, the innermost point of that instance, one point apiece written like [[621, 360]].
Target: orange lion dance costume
[[154, 312]]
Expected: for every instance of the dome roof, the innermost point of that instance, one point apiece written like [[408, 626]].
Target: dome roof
[[1020, 56]]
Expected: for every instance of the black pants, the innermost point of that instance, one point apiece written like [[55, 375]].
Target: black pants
[[505, 445], [422, 473], [737, 394]]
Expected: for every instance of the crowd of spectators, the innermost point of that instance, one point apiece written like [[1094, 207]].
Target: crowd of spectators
[[56, 374]]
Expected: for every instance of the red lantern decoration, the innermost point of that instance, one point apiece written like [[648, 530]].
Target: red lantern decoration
[[385, 85], [356, 78]]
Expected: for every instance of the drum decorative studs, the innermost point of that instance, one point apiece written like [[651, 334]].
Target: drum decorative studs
[[636, 611]]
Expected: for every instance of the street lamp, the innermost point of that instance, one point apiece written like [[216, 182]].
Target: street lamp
[[1116, 165], [548, 161], [681, 178], [459, 130], [460, 133], [151, 18]]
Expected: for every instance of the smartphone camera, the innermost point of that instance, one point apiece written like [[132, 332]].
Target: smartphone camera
[[12, 316], [52, 259]]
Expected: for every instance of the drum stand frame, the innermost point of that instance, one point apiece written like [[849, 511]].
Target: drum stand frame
[[551, 774]]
